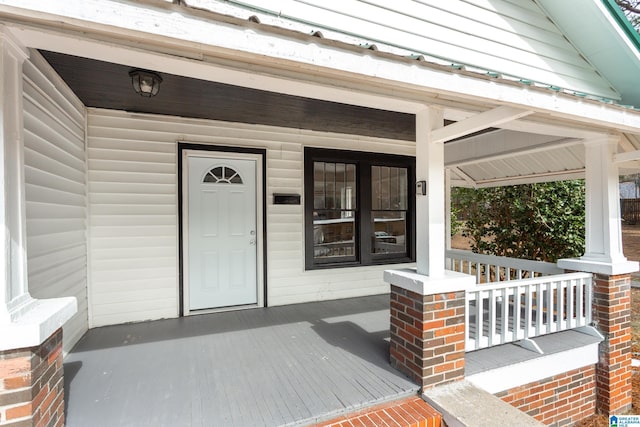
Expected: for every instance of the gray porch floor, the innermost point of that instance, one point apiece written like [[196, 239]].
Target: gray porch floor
[[264, 367]]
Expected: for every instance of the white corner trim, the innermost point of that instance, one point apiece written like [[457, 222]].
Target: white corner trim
[[37, 323], [599, 267], [508, 377], [409, 279]]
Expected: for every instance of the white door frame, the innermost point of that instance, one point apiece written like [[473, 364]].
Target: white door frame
[[186, 153]]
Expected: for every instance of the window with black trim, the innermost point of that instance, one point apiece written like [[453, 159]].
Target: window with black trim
[[359, 208]]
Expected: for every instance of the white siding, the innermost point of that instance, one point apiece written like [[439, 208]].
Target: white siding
[[133, 207], [512, 37], [55, 176]]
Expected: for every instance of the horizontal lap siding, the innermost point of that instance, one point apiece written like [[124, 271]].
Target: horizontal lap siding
[[133, 221], [134, 212], [512, 37], [55, 177]]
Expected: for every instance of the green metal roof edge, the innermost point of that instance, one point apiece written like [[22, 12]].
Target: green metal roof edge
[[623, 22]]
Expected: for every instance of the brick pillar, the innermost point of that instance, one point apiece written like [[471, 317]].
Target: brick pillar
[[32, 385], [612, 314], [427, 335]]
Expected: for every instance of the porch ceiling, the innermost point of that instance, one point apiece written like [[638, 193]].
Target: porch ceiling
[[107, 85], [516, 150], [506, 157]]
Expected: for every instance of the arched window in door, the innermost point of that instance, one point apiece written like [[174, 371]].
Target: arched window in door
[[222, 175]]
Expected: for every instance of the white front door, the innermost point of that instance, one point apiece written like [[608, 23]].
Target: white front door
[[222, 233]]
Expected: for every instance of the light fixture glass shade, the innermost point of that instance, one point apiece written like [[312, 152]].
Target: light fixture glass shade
[[145, 83]]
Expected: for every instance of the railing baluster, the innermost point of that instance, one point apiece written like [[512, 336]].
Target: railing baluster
[[548, 325], [467, 321], [481, 342], [492, 319], [528, 313], [517, 317], [588, 293], [504, 316], [563, 287], [539, 309], [580, 308], [571, 307]]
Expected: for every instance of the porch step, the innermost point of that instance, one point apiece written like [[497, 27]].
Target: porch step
[[407, 412], [464, 405]]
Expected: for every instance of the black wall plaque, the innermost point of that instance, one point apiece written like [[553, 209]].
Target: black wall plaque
[[286, 199]]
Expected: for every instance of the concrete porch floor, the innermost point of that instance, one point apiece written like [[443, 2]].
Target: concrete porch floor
[[291, 365]]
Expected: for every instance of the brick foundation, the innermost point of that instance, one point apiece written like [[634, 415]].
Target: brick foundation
[[560, 400], [612, 314], [32, 385], [427, 336]]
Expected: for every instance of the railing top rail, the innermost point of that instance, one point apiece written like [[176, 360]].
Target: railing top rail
[[515, 263], [532, 281]]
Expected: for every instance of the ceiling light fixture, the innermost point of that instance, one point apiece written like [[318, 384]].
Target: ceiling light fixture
[[146, 83]]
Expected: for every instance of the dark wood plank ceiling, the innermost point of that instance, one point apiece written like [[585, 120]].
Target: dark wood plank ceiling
[[108, 85]]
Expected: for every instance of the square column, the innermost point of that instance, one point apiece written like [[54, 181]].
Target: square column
[[14, 294], [603, 230], [611, 313], [24, 321], [612, 285], [430, 208], [31, 385], [428, 325]]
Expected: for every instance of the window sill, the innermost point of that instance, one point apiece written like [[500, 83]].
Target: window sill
[[374, 263]]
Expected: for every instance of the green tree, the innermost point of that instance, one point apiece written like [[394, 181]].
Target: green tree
[[543, 222]]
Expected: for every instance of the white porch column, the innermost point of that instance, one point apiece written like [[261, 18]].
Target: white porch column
[[12, 213], [430, 210], [603, 234], [24, 321], [612, 281], [603, 238]]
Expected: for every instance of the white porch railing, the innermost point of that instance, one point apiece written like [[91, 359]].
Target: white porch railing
[[521, 309], [517, 299], [488, 268]]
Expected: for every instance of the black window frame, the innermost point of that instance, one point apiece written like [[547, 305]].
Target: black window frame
[[363, 227]]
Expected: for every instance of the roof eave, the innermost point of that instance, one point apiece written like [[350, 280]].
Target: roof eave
[[611, 45], [316, 58]]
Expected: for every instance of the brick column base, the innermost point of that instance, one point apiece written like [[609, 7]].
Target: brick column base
[[32, 385], [612, 314], [427, 335]]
